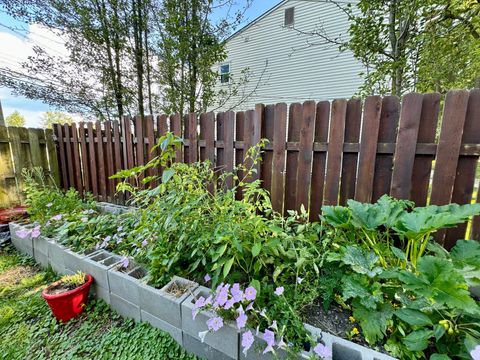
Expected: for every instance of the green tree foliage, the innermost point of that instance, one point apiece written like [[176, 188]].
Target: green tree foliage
[[55, 117], [424, 45], [15, 119]]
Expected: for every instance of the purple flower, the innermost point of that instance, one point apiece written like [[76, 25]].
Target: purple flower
[[125, 262], [207, 278], [247, 341], [250, 306], [47, 223], [269, 337], [57, 217], [120, 228], [299, 280], [222, 296], [250, 293], [241, 320], [279, 290], [274, 325], [108, 238], [236, 292], [144, 243], [229, 304], [215, 323], [281, 344], [49, 204], [322, 351], [199, 303], [22, 234], [35, 232], [84, 219], [475, 353]]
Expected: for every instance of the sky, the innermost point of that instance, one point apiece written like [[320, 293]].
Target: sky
[[16, 46]]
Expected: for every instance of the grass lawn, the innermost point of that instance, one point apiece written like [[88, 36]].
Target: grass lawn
[[29, 331]]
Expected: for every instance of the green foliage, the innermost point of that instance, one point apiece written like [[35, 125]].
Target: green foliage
[[74, 280], [15, 119], [55, 117], [45, 199], [30, 331]]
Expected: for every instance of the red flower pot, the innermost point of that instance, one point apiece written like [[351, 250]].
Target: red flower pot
[[69, 304]]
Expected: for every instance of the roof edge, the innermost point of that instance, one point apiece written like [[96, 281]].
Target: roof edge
[[257, 19]]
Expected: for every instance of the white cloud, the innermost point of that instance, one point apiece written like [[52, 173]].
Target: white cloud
[[16, 49]]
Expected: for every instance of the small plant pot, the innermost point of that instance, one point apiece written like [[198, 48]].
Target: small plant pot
[[67, 305]]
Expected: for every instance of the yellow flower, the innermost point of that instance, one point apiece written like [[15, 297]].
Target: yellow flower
[[352, 319], [355, 331]]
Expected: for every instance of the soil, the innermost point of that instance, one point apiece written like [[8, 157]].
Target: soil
[[61, 288], [178, 289], [336, 321]]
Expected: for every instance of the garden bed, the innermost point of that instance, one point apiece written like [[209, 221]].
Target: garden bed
[[170, 308]]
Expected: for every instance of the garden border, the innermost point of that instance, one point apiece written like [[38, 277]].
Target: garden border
[[126, 294]]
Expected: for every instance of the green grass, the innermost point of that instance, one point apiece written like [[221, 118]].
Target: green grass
[[29, 331]]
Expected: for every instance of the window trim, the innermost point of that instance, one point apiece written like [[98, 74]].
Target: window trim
[[222, 74], [292, 8]]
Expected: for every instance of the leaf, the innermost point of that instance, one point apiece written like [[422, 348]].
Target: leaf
[[167, 175], [357, 287], [373, 323], [466, 252], [418, 340], [440, 357], [227, 267], [440, 282], [256, 284], [361, 261], [398, 253], [413, 317], [256, 249]]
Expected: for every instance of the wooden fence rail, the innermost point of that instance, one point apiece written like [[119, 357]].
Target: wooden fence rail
[[318, 153], [23, 148]]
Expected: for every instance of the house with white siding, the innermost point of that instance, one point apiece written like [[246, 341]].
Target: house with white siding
[[280, 60]]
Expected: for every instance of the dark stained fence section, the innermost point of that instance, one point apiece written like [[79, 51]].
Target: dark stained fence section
[[316, 154]]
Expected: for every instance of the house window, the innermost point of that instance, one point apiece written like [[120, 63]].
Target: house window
[[224, 73], [289, 16]]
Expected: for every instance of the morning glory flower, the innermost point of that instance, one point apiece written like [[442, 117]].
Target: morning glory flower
[[222, 296], [241, 320], [250, 293], [322, 351], [120, 228], [84, 219], [279, 290], [57, 217], [281, 344], [247, 341], [237, 294], [274, 325], [475, 353], [35, 232], [125, 262], [22, 234], [299, 280], [229, 304], [207, 278], [215, 323], [269, 337], [249, 307]]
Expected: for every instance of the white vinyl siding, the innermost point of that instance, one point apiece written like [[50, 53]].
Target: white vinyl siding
[[287, 66]]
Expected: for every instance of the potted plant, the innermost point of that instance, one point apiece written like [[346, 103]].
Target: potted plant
[[68, 296]]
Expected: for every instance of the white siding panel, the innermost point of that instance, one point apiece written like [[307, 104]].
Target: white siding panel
[[295, 67]]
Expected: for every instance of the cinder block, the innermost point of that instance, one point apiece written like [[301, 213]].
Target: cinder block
[[158, 323], [202, 350], [225, 340], [40, 250], [126, 284], [56, 256], [343, 349], [97, 264], [125, 308], [24, 246]]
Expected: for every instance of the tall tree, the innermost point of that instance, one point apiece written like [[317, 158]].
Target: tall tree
[[399, 42], [15, 119]]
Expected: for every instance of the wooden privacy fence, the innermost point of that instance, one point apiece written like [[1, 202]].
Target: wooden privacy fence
[[318, 153], [23, 148]]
